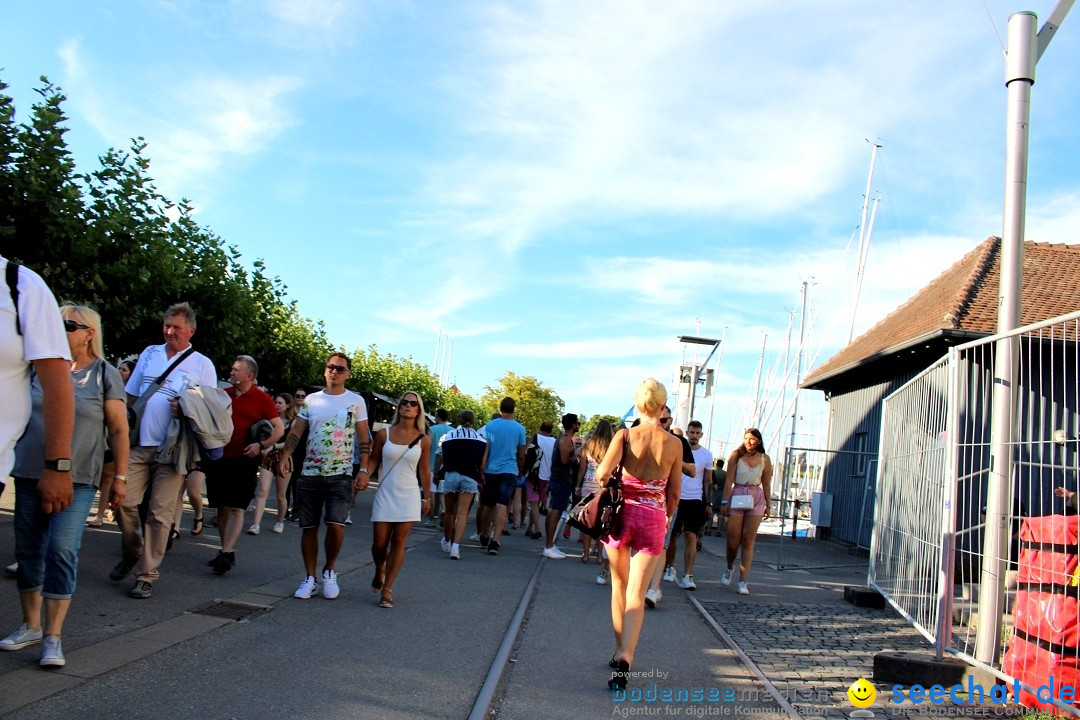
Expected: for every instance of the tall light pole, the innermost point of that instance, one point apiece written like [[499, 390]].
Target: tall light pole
[[1024, 50], [696, 374]]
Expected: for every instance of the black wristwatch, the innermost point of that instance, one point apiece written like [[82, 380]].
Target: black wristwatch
[[59, 465]]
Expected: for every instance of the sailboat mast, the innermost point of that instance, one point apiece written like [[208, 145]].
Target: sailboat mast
[[864, 240]]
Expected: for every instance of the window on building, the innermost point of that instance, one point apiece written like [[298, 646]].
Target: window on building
[[861, 461]]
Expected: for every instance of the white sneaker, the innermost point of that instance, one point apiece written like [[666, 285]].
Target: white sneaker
[[455, 552], [12, 569], [21, 637], [251, 506], [743, 590], [348, 518], [307, 588], [687, 583], [330, 589], [725, 579], [601, 579], [669, 573], [475, 537], [554, 553], [279, 527], [444, 544], [52, 655], [652, 597], [254, 529]]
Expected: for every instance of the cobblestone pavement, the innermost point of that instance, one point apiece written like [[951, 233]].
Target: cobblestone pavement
[[812, 653]]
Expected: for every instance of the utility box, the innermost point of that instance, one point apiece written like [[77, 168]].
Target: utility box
[[821, 509]]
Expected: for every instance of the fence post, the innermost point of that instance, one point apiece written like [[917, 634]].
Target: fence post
[[947, 575]]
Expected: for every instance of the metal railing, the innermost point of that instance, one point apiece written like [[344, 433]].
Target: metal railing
[[944, 552]]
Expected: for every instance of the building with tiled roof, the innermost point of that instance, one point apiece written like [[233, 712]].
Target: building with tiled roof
[[957, 306]]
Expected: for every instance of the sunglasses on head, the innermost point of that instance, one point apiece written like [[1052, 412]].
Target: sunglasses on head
[[409, 403], [336, 368], [72, 326]]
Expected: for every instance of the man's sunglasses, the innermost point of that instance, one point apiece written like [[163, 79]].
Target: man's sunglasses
[[409, 403], [336, 368], [72, 326], [665, 421]]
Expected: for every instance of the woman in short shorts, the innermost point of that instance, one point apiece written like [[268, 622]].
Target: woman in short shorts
[[651, 459], [749, 472]]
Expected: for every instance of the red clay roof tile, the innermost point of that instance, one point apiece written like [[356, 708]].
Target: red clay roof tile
[[963, 301]]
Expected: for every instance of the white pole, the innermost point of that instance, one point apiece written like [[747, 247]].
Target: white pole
[[449, 364], [864, 242], [798, 370], [1020, 61], [756, 412], [716, 382], [435, 365]]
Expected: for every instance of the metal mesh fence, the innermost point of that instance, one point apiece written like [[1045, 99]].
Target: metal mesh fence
[[975, 537], [906, 547]]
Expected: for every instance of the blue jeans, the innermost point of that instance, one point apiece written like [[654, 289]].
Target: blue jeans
[[47, 545]]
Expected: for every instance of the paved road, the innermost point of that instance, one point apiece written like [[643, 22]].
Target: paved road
[[432, 653]]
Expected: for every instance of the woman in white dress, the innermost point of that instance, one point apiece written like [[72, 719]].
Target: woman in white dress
[[401, 451]]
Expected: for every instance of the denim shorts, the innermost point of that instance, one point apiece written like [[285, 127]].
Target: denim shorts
[[328, 496], [559, 496], [498, 489], [455, 482], [47, 545]]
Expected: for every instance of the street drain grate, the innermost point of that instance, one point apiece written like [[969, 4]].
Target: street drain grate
[[230, 610]]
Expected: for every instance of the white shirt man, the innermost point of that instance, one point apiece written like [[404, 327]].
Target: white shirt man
[[32, 333], [163, 481], [336, 419], [691, 515]]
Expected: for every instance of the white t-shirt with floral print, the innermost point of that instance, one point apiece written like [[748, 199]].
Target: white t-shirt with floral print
[[331, 423]]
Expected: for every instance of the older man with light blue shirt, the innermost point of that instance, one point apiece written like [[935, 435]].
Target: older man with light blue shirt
[[506, 458]]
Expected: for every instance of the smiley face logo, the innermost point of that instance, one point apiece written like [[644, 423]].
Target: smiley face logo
[[861, 693]]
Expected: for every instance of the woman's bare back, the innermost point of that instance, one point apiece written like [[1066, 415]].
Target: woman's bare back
[[652, 452]]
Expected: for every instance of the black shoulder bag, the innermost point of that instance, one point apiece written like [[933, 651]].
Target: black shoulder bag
[[600, 513]]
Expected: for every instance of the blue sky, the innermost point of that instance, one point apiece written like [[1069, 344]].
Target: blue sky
[[562, 188]]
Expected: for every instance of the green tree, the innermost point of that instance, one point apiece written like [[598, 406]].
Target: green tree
[[590, 422], [455, 401], [9, 145], [384, 373], [43, 224], [535, 403]]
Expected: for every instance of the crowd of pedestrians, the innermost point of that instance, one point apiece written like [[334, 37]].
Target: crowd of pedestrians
[[143, 435]]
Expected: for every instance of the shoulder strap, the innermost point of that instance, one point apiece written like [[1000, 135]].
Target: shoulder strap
[[12, 276], [158, 382]]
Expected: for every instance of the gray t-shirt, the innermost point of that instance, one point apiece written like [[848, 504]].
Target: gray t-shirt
[[93, 384]]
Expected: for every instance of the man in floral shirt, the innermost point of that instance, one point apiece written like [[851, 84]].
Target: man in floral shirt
[[335, 418]]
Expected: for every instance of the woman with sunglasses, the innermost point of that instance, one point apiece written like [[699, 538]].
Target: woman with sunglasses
[[400, 451], [749, 475], [47, 544]]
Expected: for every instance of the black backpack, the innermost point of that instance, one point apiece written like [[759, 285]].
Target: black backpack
[[533, 456]]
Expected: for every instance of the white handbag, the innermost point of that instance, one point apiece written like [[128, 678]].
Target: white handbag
[[741, 502]]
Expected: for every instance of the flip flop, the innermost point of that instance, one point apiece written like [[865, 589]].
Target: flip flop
[[387, 600], [95, 522], [197, 526], [377, 583]]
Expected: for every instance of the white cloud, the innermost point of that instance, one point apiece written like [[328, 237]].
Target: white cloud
[[613, 109], [194, 124]]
